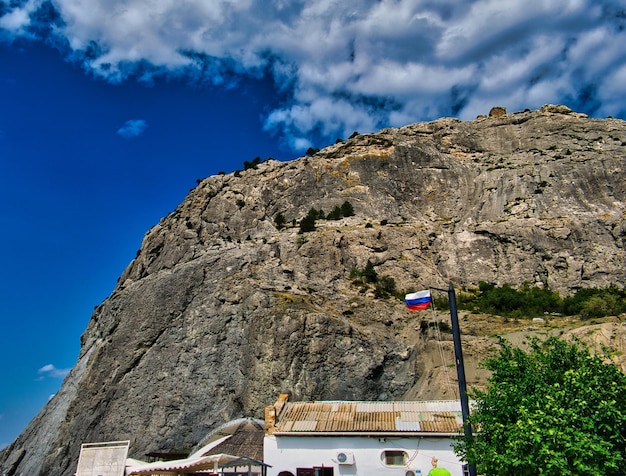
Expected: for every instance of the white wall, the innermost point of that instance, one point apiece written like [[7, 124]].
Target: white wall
[[286, 453]]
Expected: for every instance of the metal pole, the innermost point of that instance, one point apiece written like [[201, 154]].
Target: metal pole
[[460, 369]]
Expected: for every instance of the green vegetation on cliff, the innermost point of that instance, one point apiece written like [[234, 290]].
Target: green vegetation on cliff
[[532, 301]]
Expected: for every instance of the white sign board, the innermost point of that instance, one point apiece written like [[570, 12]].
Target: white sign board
[[103, 459]]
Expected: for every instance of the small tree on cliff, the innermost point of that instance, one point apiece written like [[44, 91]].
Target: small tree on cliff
[[347, 210], [556, 409], [308, 222], [279, 220], [369, 273]]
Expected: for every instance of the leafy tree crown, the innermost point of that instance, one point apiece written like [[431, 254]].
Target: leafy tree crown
[[555, 409]]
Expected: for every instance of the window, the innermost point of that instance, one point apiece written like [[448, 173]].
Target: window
[[323, 471], [315, 471], [394, 458]]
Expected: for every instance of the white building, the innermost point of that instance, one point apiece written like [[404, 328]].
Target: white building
[[360, 438]]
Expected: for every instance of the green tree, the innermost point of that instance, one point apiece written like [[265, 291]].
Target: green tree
[[316, 214], [347, 210], [539, 300], [596, 302], [251, 165], [505, 301], [385, 287], [501, 300], [554, 409], [369, 273], [335, 214], [279, 220], [308, 222]]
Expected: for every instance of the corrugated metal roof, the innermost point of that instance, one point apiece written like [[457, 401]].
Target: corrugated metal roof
[[370, 417], [189, 465]]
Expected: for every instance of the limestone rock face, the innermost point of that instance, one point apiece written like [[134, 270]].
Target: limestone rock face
[[221, 311]]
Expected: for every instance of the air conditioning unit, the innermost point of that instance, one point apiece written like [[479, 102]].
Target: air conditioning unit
[[344, 457]]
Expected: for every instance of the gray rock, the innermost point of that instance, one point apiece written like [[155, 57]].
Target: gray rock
[[220, 311]]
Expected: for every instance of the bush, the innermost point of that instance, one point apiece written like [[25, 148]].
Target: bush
[[251, 165], [365, 275], [530, 301], [597, 306], [385, 287], [595, 302], [500, 300]]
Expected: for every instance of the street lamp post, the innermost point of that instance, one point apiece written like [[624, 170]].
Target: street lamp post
[[460, 367]]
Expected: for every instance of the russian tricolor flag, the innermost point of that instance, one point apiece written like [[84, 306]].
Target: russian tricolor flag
[[418, 301]]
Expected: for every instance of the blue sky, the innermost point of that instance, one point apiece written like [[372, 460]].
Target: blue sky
[[111, 109]]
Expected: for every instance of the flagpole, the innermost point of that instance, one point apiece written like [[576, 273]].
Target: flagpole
[[460, 368]]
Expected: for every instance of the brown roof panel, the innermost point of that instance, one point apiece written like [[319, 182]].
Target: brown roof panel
[[246, 440], [311, 417]]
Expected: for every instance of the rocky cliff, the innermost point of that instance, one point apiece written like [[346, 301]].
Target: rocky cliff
[[221, 311]]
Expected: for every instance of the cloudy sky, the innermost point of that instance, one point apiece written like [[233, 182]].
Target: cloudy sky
[[111, 109]]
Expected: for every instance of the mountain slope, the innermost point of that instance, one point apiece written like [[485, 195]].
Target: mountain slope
[[221, 311]]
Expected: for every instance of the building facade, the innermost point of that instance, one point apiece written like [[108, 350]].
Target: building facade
[[360, 438]]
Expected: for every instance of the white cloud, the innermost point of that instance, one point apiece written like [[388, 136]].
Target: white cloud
[[542, 58], [133, 128], [493, 26], [325, 115], [50, 370], [365, 64], [598, 53], [405, 80], [17, 20], [612, 92]]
